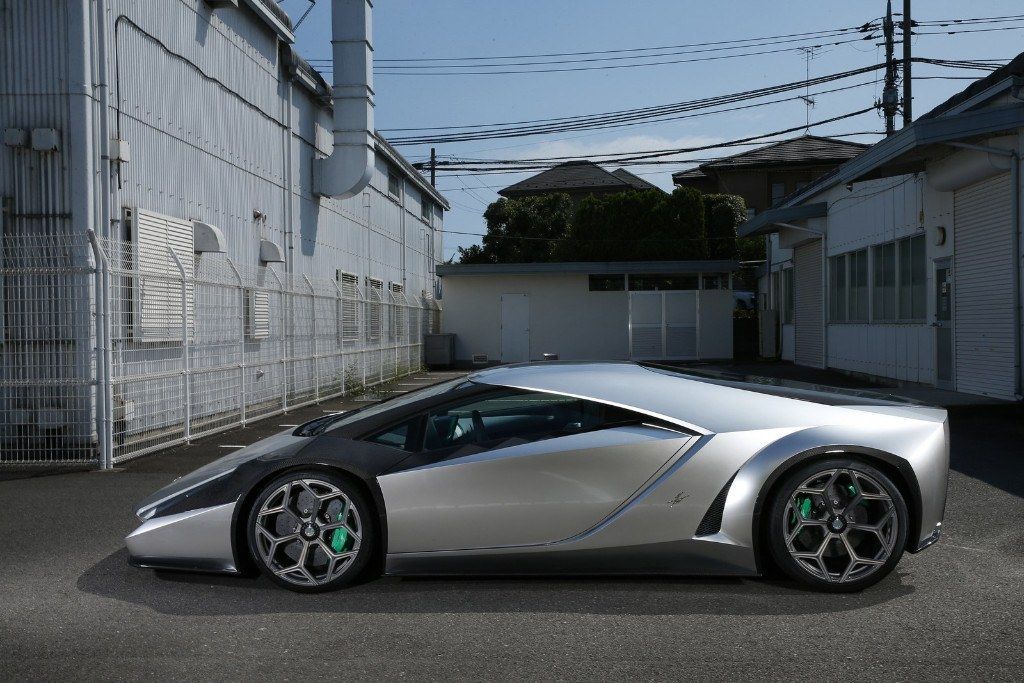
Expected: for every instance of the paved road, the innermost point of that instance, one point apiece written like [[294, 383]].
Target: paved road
[[71, 607]]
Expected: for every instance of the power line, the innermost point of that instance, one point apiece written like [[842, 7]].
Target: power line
[[807, 35], [649, 157], [614, 119]]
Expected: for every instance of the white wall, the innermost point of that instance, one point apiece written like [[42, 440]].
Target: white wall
[[715, 328], [565, 317]]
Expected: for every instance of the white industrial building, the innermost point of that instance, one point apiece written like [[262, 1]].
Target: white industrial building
[[641, 310], [905, 263], [197, 229]]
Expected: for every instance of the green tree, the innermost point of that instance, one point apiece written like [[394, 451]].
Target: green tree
[[637, 226], [522, 230]]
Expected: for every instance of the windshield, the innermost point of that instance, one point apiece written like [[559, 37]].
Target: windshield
[[329, 422]]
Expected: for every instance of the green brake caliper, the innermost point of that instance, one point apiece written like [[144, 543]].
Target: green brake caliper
[[803, 505], [339, 538]]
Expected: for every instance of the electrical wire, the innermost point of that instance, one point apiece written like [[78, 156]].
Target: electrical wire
[[613, 119]]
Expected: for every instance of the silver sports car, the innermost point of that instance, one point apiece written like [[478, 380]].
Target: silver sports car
[[577, 468]]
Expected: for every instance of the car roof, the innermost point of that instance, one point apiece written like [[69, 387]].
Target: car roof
[[699, 403]]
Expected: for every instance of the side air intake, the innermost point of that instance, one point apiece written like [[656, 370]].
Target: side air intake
[[712, 522]]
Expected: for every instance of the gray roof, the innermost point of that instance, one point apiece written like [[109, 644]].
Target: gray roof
[[634, 180], [590, 268], [1014, 68], [806, 150], [576, 175], [908, 150]]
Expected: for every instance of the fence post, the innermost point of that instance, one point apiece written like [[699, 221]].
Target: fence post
[[284, 342], [312, 318], [104, 357], [186, 364], [339, 330], [241, 339]]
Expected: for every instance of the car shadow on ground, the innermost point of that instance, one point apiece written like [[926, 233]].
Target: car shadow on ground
[[186, 594], [987, 448]]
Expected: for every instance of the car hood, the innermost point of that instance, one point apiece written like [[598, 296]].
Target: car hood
[[220, 468]]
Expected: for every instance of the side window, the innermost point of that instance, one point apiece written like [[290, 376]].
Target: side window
[[508, 418], [399, 436]]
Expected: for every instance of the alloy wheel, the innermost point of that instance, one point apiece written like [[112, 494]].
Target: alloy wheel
[[308, 532], [840, 525]]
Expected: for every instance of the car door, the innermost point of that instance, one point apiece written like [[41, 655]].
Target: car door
[[518, 468]]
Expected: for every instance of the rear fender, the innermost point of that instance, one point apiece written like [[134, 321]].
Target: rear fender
[[750, 490]]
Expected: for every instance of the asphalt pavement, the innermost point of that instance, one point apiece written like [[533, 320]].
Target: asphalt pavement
[[71, 607]]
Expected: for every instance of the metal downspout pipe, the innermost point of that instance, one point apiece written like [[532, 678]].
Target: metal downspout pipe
[[349, 169]]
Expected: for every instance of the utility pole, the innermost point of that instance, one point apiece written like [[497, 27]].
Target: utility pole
[[908, 99], [890, 97], [433, 167]]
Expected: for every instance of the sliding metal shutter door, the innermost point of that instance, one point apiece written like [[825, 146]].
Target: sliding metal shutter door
[[807, 305], [983, 288]]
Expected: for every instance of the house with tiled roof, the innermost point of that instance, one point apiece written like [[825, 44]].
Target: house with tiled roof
[[764, 175], [578, 179]]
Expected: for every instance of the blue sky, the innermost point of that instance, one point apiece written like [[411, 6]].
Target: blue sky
[[454, 28]]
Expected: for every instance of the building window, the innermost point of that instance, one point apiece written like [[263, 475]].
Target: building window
[[837, 288], [607, 283], [912, 278], [778, 192], [394, 183], [857, 283], [425, 210], [899, 273], [883, 298], [641, 283], [787, 296], [848, 287], [715, 281]]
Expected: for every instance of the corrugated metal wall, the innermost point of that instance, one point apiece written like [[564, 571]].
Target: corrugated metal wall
[[983, 288], [216, 131], [807, 305]]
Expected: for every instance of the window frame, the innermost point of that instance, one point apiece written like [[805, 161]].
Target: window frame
[[903, 284], [484, 392]]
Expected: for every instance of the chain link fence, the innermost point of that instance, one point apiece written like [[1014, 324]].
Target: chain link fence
[[173, 349]]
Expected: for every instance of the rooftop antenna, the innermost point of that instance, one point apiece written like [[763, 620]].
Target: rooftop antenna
[[809, 52]]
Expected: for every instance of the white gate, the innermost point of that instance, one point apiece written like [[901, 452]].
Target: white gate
[[664, 325]]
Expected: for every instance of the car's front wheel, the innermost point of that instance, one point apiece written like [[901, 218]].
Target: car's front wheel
[[838, 525], [311, 531]]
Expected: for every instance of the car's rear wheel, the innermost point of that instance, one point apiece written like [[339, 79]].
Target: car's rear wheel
[[838, 525], [311, 531]]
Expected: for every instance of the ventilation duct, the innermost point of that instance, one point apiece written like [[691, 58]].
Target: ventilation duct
[[349, 168]]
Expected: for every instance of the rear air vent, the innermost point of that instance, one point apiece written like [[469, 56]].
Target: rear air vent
[[712, 522]]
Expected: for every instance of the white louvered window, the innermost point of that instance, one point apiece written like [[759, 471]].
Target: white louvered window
[[348, 283], [159, 287], [257, 314], [374, 309], [398, 312]]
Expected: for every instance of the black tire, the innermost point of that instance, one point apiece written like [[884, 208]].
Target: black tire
[[883, 547], [306, 483]]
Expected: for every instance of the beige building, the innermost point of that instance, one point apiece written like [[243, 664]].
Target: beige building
[[510, 313]]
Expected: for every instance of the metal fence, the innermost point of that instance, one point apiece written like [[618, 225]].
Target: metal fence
[[173, 349]]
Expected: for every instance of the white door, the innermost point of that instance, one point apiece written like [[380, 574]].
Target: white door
[[515, 328]]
